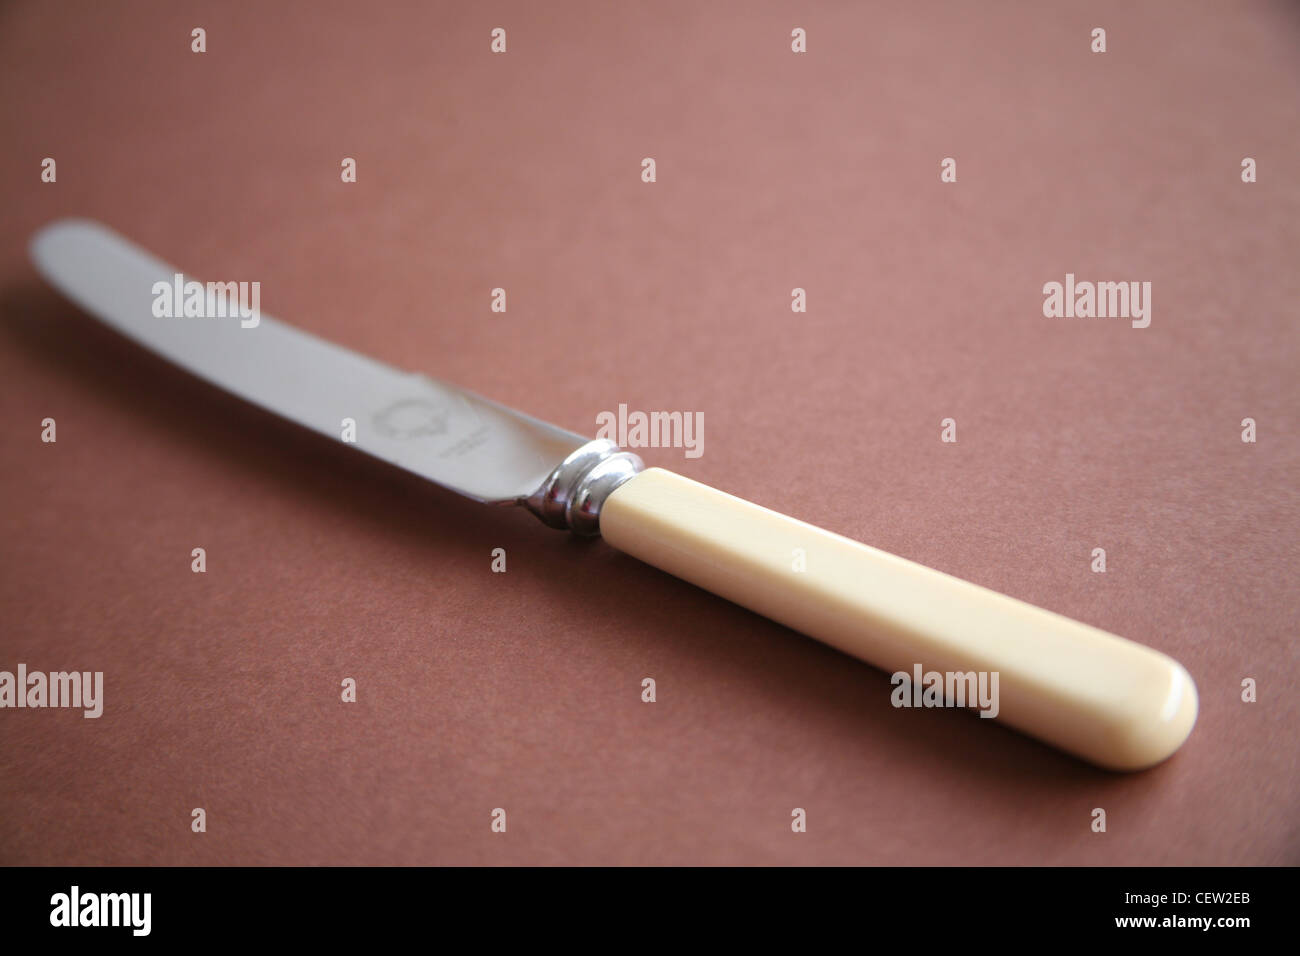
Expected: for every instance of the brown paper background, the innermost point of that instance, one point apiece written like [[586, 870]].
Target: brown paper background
[[775, 170]]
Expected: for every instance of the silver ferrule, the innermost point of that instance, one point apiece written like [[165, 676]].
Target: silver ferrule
[[572, 495]]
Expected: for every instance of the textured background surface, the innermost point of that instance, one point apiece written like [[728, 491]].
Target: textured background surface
[[481, 690]]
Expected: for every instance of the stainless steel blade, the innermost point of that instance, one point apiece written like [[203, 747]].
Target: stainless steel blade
[[455, 438]]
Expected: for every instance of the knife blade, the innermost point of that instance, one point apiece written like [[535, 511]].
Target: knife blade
[[443, 433], [1106, 699]]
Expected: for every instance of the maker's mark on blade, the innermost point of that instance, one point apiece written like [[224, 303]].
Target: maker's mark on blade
[[410, 418], [452, 425]]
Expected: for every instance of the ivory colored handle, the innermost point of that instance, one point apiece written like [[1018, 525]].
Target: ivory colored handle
[[1103, 698]]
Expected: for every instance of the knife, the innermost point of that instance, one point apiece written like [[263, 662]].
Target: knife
[[1108, 700]]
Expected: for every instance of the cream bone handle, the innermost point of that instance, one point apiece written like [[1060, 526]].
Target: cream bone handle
[[1111, 701]]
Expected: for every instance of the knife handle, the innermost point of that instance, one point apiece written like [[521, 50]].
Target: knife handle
[[1111, 701]]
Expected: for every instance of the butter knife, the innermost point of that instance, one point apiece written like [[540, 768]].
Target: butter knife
[[1111, 701]]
